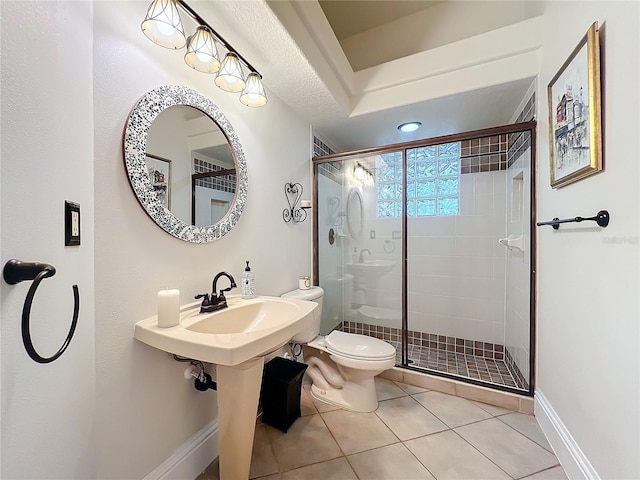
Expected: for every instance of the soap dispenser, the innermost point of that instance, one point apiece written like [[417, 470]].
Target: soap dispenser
[[248, 283]]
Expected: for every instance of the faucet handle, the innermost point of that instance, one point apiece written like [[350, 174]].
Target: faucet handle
[[206, 302], [222, 290]]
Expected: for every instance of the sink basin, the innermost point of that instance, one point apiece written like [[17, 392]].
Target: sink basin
[[372, 266], [245, 330]]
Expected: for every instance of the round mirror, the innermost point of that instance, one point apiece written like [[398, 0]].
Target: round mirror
[[185, 164], [354, 213]]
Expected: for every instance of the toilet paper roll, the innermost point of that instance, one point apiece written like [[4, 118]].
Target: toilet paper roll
[[168, 308]]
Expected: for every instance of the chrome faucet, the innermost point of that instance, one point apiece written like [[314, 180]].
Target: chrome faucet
[[216, 301], [361, 257]]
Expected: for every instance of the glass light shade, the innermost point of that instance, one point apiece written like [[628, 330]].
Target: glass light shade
[[163, 26], [201, 51], [230, 77], [253, 94], [409, 127]]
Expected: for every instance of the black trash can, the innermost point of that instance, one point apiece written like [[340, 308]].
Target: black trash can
[[281, 389]]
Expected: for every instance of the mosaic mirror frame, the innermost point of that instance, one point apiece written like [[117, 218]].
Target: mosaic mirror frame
[[135, 142]]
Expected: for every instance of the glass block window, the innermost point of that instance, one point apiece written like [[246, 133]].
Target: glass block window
[[433, 181]]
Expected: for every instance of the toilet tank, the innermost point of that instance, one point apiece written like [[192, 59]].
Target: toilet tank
[[313, 294]]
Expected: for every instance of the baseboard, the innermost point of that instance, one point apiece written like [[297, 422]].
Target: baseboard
[[191, 458], [571, 457]]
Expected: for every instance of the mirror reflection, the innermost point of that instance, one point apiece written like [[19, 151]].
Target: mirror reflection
[[191, 166]]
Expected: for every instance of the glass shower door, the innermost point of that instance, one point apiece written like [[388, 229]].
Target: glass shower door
[[468, 284], [359, 228]]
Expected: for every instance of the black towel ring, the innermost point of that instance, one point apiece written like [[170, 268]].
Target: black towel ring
[[15, 272]]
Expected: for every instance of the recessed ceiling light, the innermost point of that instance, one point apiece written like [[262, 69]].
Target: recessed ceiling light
[[409, 127]]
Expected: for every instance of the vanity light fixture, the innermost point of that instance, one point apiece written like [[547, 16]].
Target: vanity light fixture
[[363, 174], [163, 26], [409, 127]]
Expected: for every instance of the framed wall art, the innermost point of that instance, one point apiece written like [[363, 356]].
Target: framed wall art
[[575, 136]]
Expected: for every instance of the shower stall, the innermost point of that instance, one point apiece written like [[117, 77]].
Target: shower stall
[[429, 245]]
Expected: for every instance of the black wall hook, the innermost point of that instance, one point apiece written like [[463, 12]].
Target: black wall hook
[[14, 272]]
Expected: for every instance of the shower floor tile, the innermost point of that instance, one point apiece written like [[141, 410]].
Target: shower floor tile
[[464, 365]]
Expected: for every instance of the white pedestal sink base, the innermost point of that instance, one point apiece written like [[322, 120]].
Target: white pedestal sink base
[[238, 396]]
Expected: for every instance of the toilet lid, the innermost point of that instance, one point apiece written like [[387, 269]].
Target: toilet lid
[[358, 346]]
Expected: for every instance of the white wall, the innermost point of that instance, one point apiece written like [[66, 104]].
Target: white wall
[[145, 408], [111, 407], [588, 277], [47, 158]]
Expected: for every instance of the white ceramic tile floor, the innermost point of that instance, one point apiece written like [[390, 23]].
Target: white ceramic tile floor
[[414, 434]]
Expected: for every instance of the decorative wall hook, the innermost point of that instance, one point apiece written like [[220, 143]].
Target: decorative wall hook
[[293, 193], [15, 272]]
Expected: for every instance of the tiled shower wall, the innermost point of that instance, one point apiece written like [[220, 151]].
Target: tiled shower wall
[[456, 267]]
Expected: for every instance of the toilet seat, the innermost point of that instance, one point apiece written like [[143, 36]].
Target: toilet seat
[[358, 347]]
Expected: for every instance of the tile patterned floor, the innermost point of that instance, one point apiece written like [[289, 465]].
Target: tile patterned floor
[[464, 365], [414, 434]]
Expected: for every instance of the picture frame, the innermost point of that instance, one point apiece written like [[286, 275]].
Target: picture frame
[[159, 170], [575, 135]]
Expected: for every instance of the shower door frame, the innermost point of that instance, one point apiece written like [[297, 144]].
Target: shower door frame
[[403, 147]]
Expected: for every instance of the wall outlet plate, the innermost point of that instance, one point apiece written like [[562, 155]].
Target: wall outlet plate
[[372, 234], [71, 223]]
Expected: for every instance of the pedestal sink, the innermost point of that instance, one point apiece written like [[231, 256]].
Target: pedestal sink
[[368, 274], [236, 339]]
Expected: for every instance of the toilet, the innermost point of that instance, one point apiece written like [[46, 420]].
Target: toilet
[[359, 358]]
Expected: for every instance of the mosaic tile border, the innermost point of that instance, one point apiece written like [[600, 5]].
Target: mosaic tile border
[[483, 154], [515, 370], [493, 351], [489, 362], [320, 148], [518, 142], [528, 112]]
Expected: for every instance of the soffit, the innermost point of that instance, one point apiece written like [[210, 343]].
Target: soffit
[[294, 48], [350, 17]]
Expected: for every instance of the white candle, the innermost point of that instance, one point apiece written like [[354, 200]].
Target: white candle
[[168, 308], [305, 204]]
